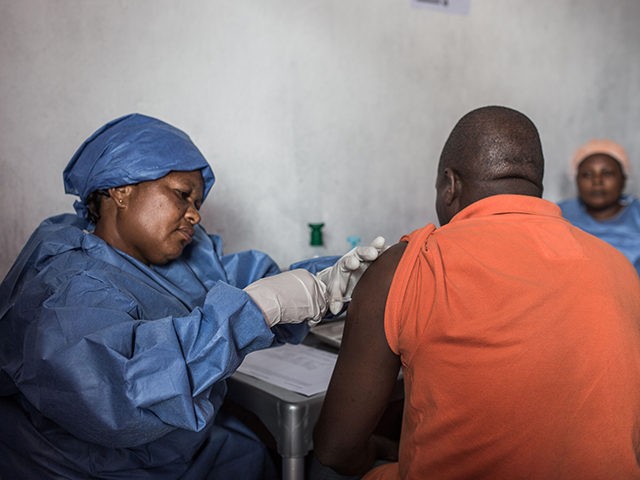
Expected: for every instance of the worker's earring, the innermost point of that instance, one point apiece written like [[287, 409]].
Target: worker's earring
[[118, 193]]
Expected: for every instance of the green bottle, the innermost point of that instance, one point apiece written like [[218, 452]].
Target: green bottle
[[316, 242]]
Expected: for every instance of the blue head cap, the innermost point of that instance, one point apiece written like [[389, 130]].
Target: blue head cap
[[131, 149]]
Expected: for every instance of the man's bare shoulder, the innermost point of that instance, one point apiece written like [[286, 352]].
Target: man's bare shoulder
[[385, 266], [376, 281]]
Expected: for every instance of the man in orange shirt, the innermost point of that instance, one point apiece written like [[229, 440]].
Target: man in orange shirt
[[517, 333]]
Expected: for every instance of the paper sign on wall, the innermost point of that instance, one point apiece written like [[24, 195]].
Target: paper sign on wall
[[458, 7]]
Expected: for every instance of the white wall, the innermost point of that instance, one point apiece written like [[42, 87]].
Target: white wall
[[308, 110]]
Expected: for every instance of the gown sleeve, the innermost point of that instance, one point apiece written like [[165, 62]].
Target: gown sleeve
[[109, 376], [246, 267]]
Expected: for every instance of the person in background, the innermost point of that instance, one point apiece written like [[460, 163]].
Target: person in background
[[600, 169], [517, 333], [119, 324]]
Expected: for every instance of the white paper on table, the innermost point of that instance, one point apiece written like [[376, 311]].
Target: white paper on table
[[299, 368]]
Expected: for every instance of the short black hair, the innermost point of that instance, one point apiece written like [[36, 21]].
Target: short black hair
[[94, 202]]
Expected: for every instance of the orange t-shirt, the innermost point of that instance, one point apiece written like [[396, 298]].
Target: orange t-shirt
[[520, 344]]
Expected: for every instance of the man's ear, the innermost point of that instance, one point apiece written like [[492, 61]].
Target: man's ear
[[120, 195], [452, 186]]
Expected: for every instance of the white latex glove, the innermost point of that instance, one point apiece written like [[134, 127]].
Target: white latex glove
[[289, 297], [342, 277]]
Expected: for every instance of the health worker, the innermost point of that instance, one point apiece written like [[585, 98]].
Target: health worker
[[119, 324], [600, 168]]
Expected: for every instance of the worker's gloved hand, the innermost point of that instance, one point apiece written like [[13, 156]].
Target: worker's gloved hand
[[289, 297], [342, 277]]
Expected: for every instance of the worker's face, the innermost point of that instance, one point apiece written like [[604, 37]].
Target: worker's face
[[159, 217], [600, 182]]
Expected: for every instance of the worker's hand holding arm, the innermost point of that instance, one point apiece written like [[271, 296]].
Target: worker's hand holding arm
[[363, 380], [341, 278], [289, 297]]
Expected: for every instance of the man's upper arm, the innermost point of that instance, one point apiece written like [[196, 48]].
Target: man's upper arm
[[365, 374]]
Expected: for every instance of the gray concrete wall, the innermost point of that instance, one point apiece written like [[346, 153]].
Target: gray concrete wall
[[308, 110]]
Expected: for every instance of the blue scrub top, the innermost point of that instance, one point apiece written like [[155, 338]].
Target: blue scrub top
[[113, 369], [622, 231]]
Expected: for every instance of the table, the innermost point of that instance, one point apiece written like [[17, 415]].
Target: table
[[289, 416]]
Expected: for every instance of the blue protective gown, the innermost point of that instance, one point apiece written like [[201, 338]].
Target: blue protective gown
[[113, 369], [622, 231]]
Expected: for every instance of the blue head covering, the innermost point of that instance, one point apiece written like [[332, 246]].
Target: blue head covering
[[131, 149]]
